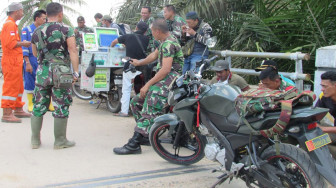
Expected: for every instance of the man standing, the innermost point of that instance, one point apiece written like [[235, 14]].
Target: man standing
[[148, 19], [98, 17], [79, 30], [195, 36], [328, 100], [135, 48], [59, 40], [12, 63], [174, 21], [107, 22], [224, 75], [30, 61], [151, 100]]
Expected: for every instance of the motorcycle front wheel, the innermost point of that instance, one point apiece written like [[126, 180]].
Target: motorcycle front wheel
[[80, 93], [295, 162], [113, 103], [190, 148]]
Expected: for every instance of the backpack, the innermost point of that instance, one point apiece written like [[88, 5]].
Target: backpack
[[125, 28], [259, 100]]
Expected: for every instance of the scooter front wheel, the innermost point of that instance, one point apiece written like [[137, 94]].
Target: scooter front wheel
[[113, 103], [80, 93], [190, 148]]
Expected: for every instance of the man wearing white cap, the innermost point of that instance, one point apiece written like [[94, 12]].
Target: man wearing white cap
[[12, 62]]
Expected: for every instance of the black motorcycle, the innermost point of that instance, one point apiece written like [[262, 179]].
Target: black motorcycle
[[204, 122]]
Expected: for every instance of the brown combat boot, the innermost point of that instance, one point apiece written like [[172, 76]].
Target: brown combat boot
[[18, 112], [8, 116]]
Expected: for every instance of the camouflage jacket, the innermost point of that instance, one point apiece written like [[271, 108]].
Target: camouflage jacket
[[152, 43], [285, 86], [54, 35], [171, 48], [175, 26], [78, 35]]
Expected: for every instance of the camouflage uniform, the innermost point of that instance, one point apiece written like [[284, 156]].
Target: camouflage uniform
[[152, 42], [79, 38], [54, 36], [175, 26], [145, 110], [284, 86]]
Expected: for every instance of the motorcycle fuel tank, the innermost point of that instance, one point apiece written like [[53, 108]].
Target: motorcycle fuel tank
[[220, 99]]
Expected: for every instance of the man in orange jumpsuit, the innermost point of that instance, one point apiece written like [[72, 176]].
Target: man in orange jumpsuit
[[12, 62]]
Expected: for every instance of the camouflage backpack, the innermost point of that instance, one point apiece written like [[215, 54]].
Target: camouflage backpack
[[258, 100]]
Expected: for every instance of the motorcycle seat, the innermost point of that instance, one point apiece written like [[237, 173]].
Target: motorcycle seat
[[268, 119]]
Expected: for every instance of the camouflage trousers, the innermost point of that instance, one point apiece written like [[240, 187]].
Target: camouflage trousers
[[61, 97], [153, 105]]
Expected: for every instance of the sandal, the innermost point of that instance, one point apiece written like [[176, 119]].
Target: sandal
[[121, 114]]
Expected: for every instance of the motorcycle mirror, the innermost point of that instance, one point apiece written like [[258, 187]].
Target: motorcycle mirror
[[211, 42], [125, 59]]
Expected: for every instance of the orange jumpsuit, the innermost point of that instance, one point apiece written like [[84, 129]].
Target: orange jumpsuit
[[12, 63]]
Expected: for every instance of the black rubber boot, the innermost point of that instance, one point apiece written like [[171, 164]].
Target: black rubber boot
[[145, 141], [132, 147]]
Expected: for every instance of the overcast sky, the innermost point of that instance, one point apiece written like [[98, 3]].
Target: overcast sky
[[88, 11]]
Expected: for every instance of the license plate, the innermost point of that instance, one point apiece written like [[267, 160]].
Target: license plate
[[318, 142], [117, 81]]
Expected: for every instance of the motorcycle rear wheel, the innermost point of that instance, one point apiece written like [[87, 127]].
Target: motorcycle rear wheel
[[113, 103], [306, 173], [80, 93], [190, 151]]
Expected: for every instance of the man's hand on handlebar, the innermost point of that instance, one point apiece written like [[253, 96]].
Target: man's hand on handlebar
[[135, 62]]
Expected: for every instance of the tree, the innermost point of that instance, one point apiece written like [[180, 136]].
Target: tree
[[257, 25], [30, 6]]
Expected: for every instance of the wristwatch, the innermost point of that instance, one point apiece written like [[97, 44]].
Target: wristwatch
[[75, 74]]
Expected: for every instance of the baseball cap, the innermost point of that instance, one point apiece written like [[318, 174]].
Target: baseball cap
[[80, 19], [142, 26], [220, 65], [265, 64], [14, 6], [107, 17], [191, 15]]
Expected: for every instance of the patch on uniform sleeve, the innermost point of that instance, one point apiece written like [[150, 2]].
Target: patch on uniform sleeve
[[12, 33], [24, 32]]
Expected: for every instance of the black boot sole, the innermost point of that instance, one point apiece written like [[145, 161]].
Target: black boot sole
[[125, 151]]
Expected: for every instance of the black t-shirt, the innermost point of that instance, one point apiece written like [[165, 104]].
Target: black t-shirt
[[133, 48], [327, 102]]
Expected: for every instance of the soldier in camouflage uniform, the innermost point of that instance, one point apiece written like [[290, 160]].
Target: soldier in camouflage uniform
[[271, 79], [82, 28], [174, 21], [197, 32], [59, 40], [152, 99], [146, 17]]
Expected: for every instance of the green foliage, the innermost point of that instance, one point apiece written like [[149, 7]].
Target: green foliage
[[257, 25], [30, 6]]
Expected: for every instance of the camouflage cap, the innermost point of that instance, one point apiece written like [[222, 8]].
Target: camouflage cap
[[14, 6], [80, 19], [107, 18], [220, 65]]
